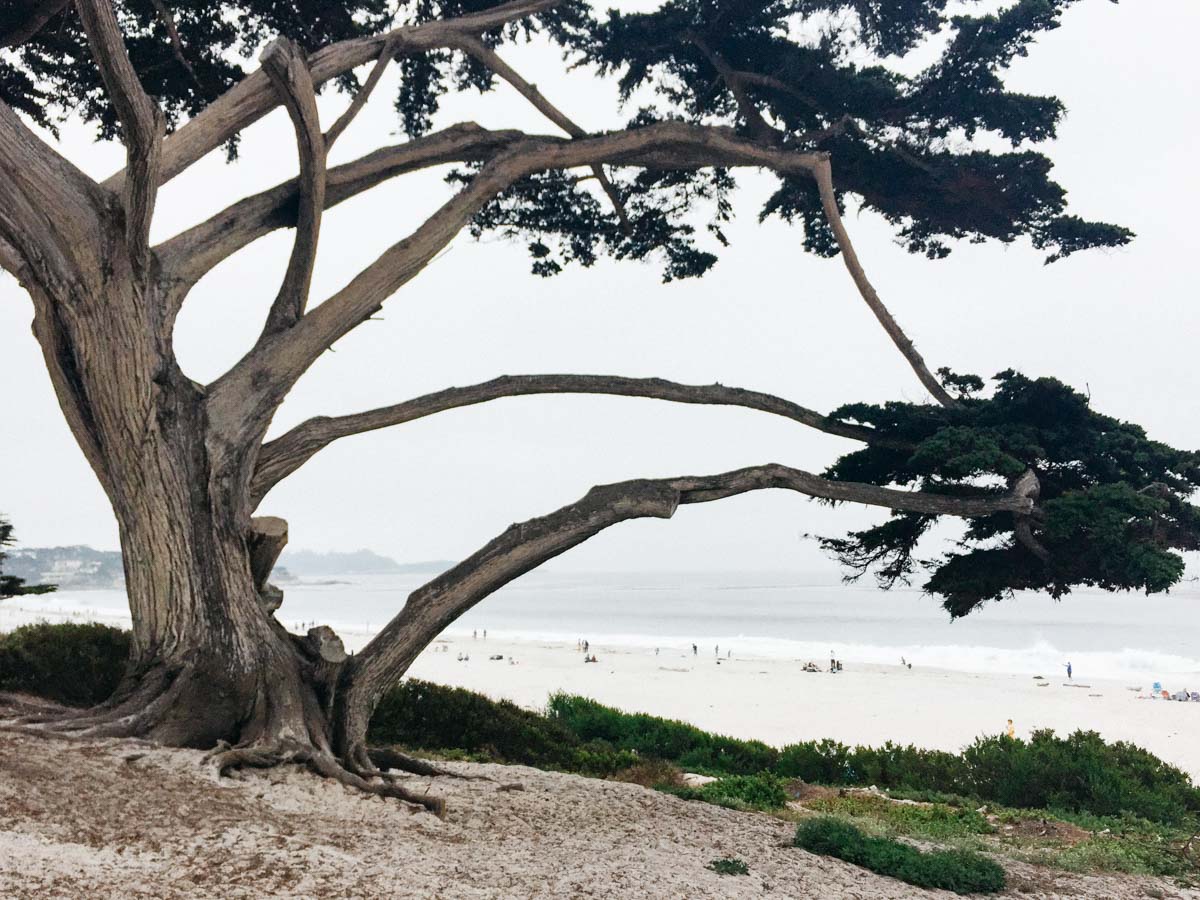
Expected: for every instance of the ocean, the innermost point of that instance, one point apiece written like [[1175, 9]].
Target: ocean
[[777, 614]]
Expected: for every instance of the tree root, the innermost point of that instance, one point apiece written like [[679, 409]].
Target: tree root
[[225, 758], [383, 759]]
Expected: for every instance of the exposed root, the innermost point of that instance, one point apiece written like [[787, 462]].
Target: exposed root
[[384, 759], [326, 765], [225, 758]]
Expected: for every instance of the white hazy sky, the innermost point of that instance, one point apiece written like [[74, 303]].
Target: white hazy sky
[[1121, 324]]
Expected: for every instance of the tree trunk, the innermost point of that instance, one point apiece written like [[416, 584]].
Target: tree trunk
[[209, 663]]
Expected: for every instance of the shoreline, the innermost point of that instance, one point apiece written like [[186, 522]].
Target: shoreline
[[774, 700]]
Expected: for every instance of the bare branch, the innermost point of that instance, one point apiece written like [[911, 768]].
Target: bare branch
[[733, 80], [364, 93], [253, 388], [254, 96], [287, 68], [527, 545], [37, 20], [142, 122], [492, 60], [675, 144], [284, 455], [192, 253], [165, 16], [1029, 486], [824, 177]]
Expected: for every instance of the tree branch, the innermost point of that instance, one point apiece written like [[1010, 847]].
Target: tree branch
[[254, 96], [287, 68], [824, 178], [142, 122], [254, 387], [527, 545], [758, 126], [37, 20], [487, 57], [284, 455], [165, 16], [363, 94], [51, 214], [193, 253]]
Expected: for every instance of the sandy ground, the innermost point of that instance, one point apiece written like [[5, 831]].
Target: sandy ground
[[120, 820], [774, 700]]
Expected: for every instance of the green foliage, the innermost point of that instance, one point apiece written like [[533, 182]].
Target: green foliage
[[922, 149], [10, 585], [729, 866], [75, 664], [960, 871], [934, 821], [1079, 773], [763, 791], [1113, 509], [420, 714], [651, 736]]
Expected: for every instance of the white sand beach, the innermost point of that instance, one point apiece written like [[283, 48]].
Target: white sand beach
[[776, 701]]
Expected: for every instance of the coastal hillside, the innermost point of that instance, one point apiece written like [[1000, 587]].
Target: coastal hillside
[[107, 819], [81, 568], [76, 568]]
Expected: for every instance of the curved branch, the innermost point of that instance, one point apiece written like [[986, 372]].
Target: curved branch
[[527, 545], [253, 97], [266, 374], [287, 453], [142, 122], [191, 254], [287, 68], [824, 178]]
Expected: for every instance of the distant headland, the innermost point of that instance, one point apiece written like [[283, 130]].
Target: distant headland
[[81, 568]]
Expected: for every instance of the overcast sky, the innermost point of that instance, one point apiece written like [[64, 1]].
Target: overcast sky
[[1121, 324]]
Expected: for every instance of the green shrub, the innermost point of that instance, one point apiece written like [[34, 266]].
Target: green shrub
[[729, 866], [650, 736], [960, 871], [76, 664], [763, 791], [1078, 773], [429, 716]]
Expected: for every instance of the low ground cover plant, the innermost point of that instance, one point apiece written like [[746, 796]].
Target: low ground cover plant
[[729, 866], [960, 871]]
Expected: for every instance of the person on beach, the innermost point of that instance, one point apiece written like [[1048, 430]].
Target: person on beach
[[717, 650], [695, 650], [1068, 671]]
